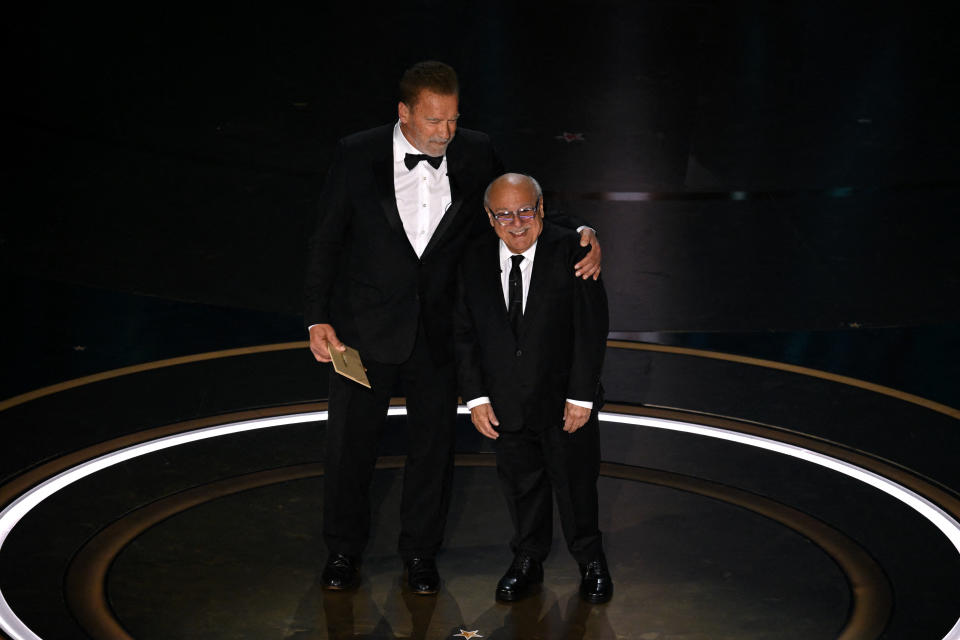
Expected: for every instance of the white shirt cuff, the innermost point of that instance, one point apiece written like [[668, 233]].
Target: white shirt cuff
[[476, 402], [581, 403]]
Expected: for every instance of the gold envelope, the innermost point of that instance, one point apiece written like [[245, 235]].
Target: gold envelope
[[347, 363]]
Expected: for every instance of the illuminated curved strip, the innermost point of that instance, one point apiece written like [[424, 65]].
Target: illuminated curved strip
[[18, 509]]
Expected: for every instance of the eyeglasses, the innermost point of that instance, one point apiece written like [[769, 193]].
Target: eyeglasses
[[524, 214]]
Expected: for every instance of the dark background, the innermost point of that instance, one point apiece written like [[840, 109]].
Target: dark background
[[750, 166]]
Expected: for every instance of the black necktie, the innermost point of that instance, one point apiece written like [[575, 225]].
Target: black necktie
[[411, 160], [515, 305]]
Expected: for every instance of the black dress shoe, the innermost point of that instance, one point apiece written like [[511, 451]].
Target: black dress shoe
[[422, 576], [341, 572], [522, 579], [596, 586]]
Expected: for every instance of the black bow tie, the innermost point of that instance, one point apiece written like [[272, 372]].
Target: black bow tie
[[411, 160]]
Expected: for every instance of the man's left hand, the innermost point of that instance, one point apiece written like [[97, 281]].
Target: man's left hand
[[590, 265], [574, 417]]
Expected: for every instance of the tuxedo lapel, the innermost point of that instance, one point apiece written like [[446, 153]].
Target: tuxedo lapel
[[538, 281], [496, 283], [383, 178], [489, 287], [459, 177], [456, 202]]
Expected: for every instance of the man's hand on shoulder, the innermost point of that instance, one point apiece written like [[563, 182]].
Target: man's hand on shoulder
[[590, 265], [322, 337], [484, 419]]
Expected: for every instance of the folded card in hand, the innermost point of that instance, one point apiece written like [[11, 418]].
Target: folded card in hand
[[347, 363]]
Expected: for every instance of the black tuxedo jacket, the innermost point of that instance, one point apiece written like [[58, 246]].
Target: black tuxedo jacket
[[363, 276], [559, 352]]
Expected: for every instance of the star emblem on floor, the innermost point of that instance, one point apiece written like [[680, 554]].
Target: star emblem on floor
[[467, 634]]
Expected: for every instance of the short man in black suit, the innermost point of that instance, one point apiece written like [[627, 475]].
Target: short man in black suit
[[530, 340], [399, 204]]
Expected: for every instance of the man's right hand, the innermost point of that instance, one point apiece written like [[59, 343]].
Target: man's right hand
[[322, 337], [484, 420]]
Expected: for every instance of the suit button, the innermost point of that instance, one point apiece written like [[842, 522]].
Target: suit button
[[519, 352]]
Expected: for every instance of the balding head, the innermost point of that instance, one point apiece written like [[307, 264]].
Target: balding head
[[514, 204], [512, 180]]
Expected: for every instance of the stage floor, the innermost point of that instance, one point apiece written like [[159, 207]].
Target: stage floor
[[188, 504]]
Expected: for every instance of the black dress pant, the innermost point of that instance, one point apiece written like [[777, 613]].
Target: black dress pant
[[356, 420], [535, 466]]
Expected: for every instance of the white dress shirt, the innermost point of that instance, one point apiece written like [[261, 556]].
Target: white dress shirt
[[423, 193], [526, 271]]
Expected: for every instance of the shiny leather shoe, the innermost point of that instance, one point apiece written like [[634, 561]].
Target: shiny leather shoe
[[596, 586], [422, 576], [522, 579], [340, 573]]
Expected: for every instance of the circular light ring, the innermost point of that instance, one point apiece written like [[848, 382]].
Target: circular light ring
[[85, 584], [18, 508]]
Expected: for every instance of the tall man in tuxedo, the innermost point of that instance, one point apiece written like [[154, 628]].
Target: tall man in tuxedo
[[530, 340], [399, 204]]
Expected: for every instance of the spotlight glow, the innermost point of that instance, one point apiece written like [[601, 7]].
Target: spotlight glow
[[19, 508]]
